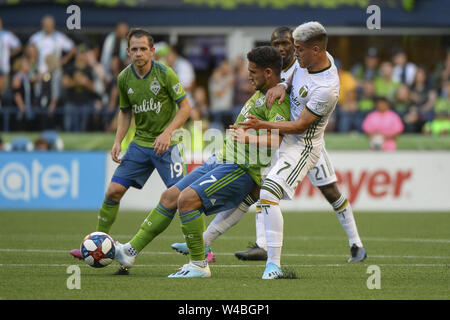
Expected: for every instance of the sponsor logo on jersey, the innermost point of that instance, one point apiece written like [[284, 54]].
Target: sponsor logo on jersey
[[177, 88], [303, 92], [147, 105], [321, 107], [155, 87], [245, 110], [260, 101], [130, 91]]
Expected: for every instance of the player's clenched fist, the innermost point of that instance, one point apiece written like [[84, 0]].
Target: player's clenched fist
[[115, 152]]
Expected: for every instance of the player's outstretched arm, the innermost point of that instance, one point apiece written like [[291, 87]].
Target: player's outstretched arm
[[271, 140], [299, 126], [162, 143], [123, 124]]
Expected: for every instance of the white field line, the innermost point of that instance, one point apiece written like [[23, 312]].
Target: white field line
[[232, 254], [242, 237], [232, 265]]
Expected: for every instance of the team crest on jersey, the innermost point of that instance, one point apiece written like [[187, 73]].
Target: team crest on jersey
[[260, 101], [303, 92], [155, 87], [279, 117], [177, 88]]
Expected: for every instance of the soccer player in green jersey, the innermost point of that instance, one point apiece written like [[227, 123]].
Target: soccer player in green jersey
[[224, 180], [151, 92]]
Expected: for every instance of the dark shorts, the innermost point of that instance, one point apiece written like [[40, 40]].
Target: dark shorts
[[220, 186], [139, 162]]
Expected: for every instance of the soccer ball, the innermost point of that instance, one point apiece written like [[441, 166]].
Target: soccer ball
[[98, 249]]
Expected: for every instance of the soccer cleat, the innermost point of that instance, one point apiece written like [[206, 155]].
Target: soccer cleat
[[357, 253], [124, 259], [76, 253], [255, 253], [181, 247], [191, 270], [122, 272], [272, 271]]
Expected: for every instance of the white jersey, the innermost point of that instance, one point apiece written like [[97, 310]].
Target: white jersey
[[318, 92], [8, 43], [286, 74], [46, 44]]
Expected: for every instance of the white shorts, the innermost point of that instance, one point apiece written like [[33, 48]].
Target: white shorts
[[323, 172], [294, 162]]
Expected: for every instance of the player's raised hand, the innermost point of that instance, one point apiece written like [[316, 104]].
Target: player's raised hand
[[279, 91], [115, 152], [162, 143], [252, 122]]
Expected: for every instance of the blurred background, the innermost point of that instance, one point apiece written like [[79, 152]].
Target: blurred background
[[58, 86]]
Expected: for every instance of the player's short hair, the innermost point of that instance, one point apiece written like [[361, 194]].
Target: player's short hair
[[138, 33], [311, 32], [282, 30], [266, 57]]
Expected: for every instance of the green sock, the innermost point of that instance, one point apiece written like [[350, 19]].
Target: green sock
[[193, 225], [156, 222], [107, 215]]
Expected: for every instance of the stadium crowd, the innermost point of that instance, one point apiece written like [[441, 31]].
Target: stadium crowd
[[54, 82]]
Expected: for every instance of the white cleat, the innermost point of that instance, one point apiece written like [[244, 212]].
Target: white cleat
[[191, 270], [123, 257]]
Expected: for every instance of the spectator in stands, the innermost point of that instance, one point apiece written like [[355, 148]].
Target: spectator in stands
[[51, 44], [442, 72], [406, 109], [40, 144], [385, 86], [183, 68], [24, 97], [243, 89], [221, 96], [403, 71], [347, 103], [200, 98], [368, 70], [9, 47], [49, 41], [441, 123], [382, 126], [115, 45], [366, 103], [80, 96], [113, 93], [423, 95]]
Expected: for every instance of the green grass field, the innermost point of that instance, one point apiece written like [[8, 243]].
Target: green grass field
[[411, 249]]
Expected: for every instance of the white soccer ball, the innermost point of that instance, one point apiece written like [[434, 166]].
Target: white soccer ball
[[98, 249]]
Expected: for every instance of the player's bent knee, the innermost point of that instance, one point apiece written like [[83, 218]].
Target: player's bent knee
[[169, 198], [188, 200], [115, 191]]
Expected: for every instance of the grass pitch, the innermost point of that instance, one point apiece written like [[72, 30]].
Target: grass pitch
[[412, 251]]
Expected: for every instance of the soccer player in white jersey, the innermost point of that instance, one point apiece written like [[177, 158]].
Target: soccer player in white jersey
[[314, 91], [322, 175]]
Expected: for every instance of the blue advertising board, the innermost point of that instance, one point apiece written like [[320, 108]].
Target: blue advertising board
[[52, 180]]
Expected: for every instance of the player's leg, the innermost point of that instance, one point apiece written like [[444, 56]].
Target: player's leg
[[295, 160], [344, 212], [133, 171], [222, 188], [323, 176], [159, 218]]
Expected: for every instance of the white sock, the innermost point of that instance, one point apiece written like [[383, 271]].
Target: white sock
[[222, 222], [344, 212], [273, 225], [260, 229]]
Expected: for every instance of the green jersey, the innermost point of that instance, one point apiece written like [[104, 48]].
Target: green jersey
[[249, 156], [152, 99]]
